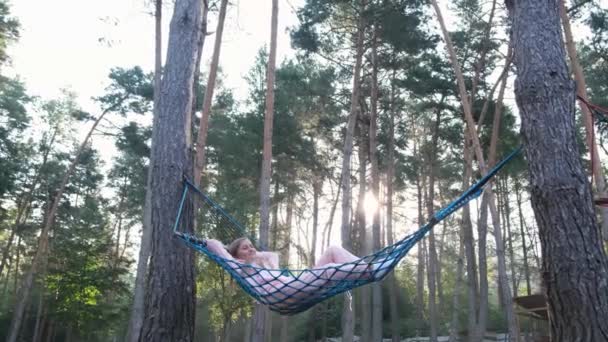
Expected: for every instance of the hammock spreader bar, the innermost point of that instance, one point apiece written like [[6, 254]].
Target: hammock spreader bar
[[289, 291]]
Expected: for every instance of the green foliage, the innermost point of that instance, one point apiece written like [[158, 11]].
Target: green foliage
[[130, 91], [14, 120], [9, 30], [226, 302], [84, 281]]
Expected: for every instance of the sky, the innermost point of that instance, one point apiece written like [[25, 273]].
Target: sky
[[77, 50]]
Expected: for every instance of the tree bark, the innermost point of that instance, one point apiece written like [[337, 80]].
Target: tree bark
[[364, 294], [261, 314], [574, 267], [314, 317], [421, 259], [197, 65], [138, 308], [170, 300], [430, 207], [523, 238], [579, 78], [482, 235], [469, 247], [201, 140], [373, 156], [456, 295], [348, 324], [390, 176], [510, 237]]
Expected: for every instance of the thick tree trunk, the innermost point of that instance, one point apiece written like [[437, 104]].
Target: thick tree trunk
[[170, 300], [373, 156], [579, 77], [575, 267], [203, 129], [261, 314], [138, 308], [348, 324]]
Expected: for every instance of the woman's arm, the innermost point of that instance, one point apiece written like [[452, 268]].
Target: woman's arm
[[217, 248]]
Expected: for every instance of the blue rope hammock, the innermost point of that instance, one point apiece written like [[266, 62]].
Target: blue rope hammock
[[289, 291]]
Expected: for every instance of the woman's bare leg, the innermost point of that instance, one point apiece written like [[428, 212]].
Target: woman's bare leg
[[336, 255]]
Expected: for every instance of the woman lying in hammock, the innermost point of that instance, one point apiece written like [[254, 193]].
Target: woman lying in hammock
[[334, 265]]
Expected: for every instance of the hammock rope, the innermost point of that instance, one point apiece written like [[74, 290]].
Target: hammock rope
[[291, 291]]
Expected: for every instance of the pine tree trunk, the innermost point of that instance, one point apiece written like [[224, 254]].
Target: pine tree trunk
[[17, 260], [482, 234], [286, 252], [170, 300], [201, 141], [440, 258], [510, 238], [40, 313], [373, 156], [314, 317], [575, 267], [392, 282], [197, 67], [430, 207], [261, 314], [421, 261], [365, 294], [138, 308], [579, 78], [456, 295], [348, 324], [523, 238], [469, 247], [327, 229]]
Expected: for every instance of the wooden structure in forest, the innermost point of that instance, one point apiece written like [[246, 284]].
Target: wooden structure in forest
[[533, 306]]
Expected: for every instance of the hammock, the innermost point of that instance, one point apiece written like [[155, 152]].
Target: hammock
[[289, 291]]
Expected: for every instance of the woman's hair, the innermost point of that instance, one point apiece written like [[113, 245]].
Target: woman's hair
[[234, 245]]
